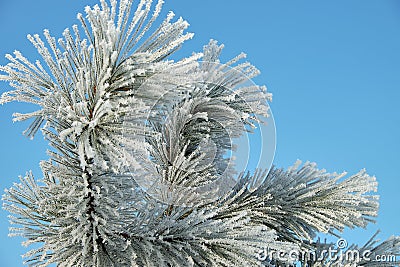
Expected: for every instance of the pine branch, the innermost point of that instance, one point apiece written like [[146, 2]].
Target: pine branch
[[138, 173], [299, 203]]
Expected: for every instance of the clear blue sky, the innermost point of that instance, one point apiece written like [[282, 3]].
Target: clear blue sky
[[333, 67]]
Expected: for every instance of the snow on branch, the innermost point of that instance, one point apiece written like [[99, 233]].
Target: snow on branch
[[139, 171], [300, 202]]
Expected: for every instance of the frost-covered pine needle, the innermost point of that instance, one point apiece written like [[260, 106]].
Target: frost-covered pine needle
[[138, 172]]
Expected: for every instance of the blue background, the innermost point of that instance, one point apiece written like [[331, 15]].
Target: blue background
[[333, 67]]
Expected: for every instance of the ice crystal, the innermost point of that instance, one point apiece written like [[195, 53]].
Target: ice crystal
[[138, 172]]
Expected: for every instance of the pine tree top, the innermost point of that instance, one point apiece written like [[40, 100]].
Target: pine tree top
[[139, 172]]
